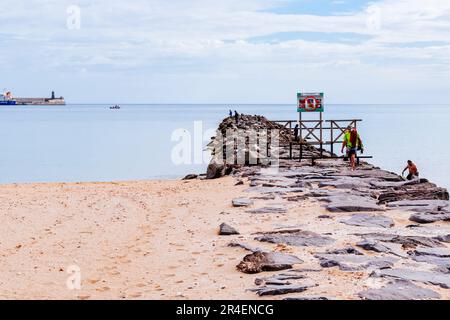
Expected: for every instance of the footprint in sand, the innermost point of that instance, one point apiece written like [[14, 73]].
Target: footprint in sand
[[114, 273], [103, 289], [93, 281], [135, 295]]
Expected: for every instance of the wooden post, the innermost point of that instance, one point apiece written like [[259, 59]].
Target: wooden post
[[321, 142], [332, 138], [301, 136]]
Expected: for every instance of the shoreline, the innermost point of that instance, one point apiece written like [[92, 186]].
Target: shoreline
[[129, 240], [300, 232]]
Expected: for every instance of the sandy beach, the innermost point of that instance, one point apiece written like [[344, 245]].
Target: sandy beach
[[148, 240], [155, 240]]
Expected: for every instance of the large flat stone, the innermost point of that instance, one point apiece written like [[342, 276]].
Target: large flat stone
[[347, 250], [354, 262], [312, 298], [413, 191], [435, 278], [441, 262], [419, 205], [267, 261], [295, 237], [351, 204], [276, 190], [273, 290], [435, 256], [245, 246], [406, 241], [430, 217], [387, 184], [377, 246], [242, 202], [283, 278], [437, 252], [355, 183], [399, 290], [369, 220], [271, 209], [372, 173]]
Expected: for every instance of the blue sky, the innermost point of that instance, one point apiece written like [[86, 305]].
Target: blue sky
[[234, 51]]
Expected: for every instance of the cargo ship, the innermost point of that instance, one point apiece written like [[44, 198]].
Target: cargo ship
[[8, 99]]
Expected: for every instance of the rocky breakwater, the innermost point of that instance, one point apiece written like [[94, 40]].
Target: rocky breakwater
[[246, 143], [325, 232]]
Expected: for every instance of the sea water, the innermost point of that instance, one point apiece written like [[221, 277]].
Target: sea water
[[94, 143]]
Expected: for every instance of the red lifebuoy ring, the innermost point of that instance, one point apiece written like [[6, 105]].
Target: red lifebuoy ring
[[315, 106]]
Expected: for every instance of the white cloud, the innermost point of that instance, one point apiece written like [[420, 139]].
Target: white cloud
[[190, 39]]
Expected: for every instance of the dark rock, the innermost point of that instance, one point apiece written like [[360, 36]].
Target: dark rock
[[443, 238], [416, 191], [399, 290], [306, 298], [419, 205], [267, 261], [372, 173], [301, 184], [435, 278], [278, 279], [276, 184], [324, 216], [190, 177], [215, 170], [374, 245], [273, 290], [242, 202], [274, 209], [245, 246], [430, 217], [405, 241], [433, 260], [296, 198], [345, 183], [295, 237], [227, 230], [437, 252], [265, 197], [274, 190], [301, 270], [348, 250], [351, 204], [239, 183], [354, 262], [414, 241], [369, 220], [254, 183]]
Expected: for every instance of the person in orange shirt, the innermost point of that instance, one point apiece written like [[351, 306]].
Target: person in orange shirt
[[413, 172]]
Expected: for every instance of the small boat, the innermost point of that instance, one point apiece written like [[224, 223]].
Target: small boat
[[7, 100], [115, 107]]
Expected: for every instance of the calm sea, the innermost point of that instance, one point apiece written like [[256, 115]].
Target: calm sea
[[93, 143]]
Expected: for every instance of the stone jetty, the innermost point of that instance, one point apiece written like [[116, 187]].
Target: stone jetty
[[368, 232]]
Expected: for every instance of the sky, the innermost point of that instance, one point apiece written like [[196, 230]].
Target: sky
[[230, 51]]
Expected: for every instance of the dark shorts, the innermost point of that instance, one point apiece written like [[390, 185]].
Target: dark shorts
[[412, 176], [352, 151]]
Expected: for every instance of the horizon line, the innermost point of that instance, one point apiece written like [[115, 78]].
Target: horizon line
[[252, 103]]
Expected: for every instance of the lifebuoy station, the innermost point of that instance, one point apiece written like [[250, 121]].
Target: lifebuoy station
[[320, 133]]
